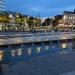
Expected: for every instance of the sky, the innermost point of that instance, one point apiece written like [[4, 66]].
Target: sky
[[40, 8]]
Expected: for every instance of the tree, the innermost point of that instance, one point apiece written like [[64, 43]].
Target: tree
[[30, 21], [4, 17], [47, 22], [19, 18], [57, 19]]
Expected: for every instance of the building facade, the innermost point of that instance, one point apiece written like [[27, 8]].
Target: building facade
[[2, 5], [58, 20], [69, 18]]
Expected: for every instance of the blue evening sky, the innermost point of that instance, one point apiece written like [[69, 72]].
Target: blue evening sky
[[43, 8]]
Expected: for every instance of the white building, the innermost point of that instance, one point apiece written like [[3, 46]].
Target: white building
[[2, 5], [69, 18]]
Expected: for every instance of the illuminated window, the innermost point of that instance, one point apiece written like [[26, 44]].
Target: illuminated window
[[73, 17]]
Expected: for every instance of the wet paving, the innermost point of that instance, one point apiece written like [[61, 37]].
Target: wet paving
[[43, 58]]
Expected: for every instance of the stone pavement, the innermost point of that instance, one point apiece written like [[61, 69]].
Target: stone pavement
[[21, 38], [48, 64]]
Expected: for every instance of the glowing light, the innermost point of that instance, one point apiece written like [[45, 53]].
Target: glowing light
[[19, 52], [64, 45], [1, 55], [38, 49], [29, 51], [17, 16], [0, 27], [16, 28], [46, 47], [13, 53], [64, 17], [10, 16]]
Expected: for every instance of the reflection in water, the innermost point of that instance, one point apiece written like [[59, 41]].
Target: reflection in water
[[38, 49], [13, 53], [64, 45], [1, 55], [19, 52], [46, 47], [63, 52], [29, 51], [61, 48]]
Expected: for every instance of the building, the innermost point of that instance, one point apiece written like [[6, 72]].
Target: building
[[58, 20], [2, 5], [69, 18], [67, 21]]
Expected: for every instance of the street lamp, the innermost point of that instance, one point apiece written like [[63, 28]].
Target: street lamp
[[17, 15], [10, 16]]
